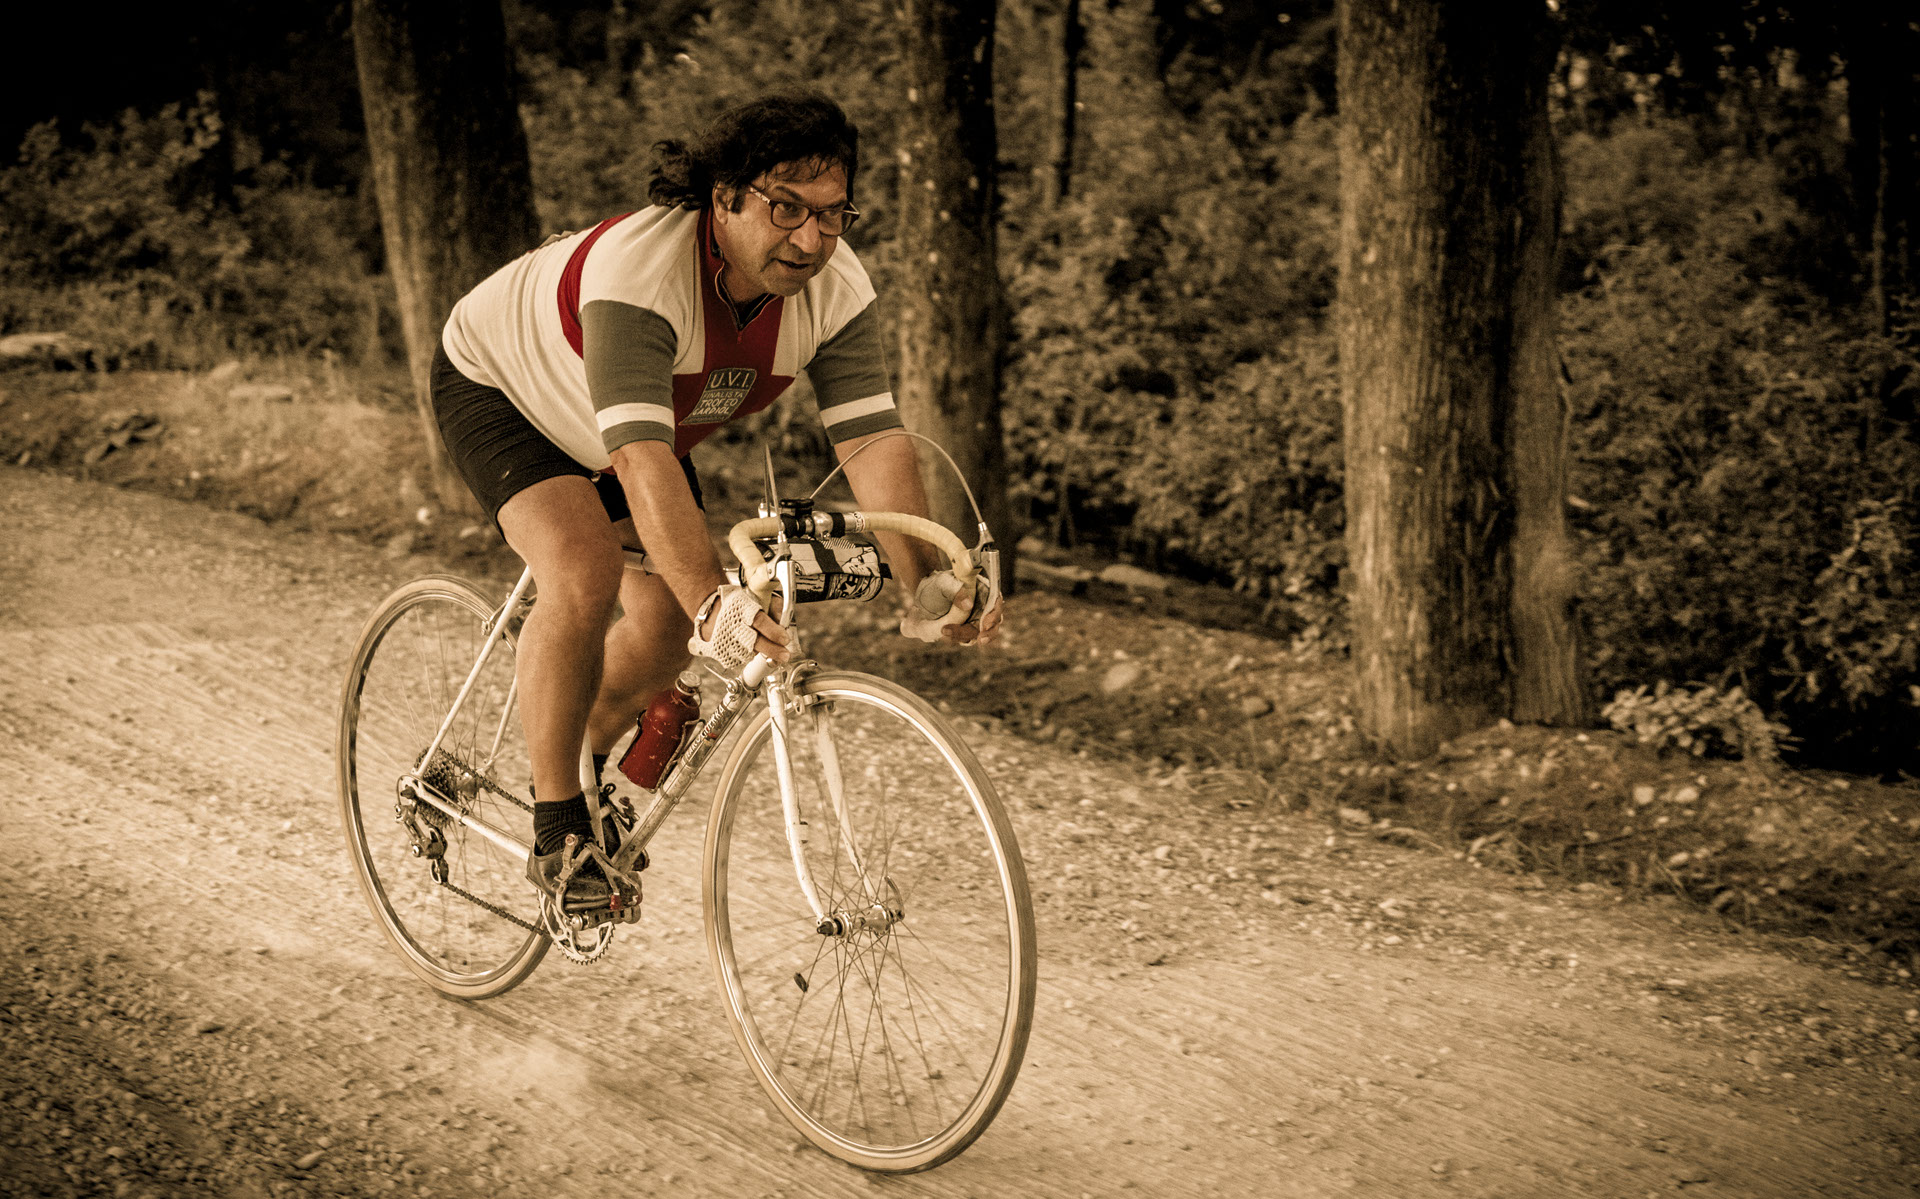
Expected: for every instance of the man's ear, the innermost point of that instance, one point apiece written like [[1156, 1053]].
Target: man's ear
[[724, 199]]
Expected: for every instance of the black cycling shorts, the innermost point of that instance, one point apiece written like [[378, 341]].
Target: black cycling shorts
[[499, 453]]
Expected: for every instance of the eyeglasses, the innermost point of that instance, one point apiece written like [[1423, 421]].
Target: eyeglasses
[[790, 214]]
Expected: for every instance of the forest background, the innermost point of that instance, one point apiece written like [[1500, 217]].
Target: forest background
[[1737, 356]]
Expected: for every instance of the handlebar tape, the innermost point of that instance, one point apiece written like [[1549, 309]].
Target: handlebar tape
[[757, 575]]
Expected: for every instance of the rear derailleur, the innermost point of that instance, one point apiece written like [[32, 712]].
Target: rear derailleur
[[423, 823]]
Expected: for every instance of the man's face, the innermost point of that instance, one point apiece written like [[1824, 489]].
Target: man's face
[[762, 258]]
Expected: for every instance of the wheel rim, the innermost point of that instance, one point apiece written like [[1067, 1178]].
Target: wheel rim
[[413, 661], [905, 1038]]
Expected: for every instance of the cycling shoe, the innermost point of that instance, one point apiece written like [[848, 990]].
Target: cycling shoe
[[586, 889]]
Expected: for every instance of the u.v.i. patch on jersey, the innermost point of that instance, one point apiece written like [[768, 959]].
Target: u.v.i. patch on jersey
[[726, 390]]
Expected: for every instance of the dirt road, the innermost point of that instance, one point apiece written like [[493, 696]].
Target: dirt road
[[1232, 1003]]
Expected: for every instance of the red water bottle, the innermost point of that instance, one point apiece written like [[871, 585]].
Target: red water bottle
[[662, 727]]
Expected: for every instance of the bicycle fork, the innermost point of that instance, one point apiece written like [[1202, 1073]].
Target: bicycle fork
[[875, 915]]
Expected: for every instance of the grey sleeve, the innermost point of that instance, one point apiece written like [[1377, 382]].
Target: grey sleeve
[[629, 357], [849, 374]]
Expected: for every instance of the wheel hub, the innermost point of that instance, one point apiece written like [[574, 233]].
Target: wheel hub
[[875, 919]]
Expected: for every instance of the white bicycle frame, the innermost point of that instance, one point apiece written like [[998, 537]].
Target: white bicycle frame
[[760, 576]]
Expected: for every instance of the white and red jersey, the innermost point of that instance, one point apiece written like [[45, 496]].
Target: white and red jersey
[[620, 333]]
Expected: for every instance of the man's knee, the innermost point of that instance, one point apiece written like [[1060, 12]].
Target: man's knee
[[586, 585], [559, 528]]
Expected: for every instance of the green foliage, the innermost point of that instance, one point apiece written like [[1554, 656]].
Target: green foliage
[[1860, 638], [592, 133], [122, 242], [1703, 721]]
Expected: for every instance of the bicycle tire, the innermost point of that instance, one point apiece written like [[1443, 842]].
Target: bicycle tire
[[770, 959], [407, 666]]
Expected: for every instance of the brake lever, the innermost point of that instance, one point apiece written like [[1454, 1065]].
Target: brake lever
[[987, 592]]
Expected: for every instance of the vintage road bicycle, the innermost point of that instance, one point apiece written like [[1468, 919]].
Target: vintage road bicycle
[[865, 905]]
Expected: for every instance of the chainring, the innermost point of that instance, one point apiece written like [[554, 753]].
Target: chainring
[[581, 946]]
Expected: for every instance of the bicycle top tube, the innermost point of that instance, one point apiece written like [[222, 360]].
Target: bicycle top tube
[[638, 560]]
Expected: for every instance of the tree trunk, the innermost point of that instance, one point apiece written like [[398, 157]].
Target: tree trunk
[[1057, 174], [952, 323], [450, 170], [1549, 667], [1455, 438], [1879, 51], [1863, 41]]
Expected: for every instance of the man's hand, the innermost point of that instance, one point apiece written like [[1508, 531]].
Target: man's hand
[[731, 627], [942, 610]]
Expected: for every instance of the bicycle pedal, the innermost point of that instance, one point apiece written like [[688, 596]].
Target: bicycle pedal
[[618, 910]]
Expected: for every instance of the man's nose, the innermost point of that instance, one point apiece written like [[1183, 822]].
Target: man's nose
[[807, 238]]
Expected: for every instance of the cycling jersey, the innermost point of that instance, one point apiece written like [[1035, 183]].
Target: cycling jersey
[[621, 333]]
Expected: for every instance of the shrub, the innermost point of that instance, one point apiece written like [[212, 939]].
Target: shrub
[[121, 242], [1703, 721], [1170, 389], [1741, 483], [1860, 639]]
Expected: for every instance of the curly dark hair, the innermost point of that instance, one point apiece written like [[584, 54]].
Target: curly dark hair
[[747, 141]]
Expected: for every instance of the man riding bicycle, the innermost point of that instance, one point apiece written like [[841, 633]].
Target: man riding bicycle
[[572, 383]]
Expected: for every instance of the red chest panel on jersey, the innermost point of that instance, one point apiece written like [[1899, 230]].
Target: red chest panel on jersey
[[736, 372]]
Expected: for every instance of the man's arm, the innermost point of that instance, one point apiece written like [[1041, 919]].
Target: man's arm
[[887, 478], [669, 523], [849, 374], [674, 533], [629, 363]]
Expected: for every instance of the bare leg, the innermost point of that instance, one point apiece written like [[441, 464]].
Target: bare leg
[[644, 651], [560, 529]]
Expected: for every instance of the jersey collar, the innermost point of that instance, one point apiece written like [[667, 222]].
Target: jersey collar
[[713, 263]]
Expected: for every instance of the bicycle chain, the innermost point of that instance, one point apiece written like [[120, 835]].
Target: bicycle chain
[[502, 792], [496, 909], [442, 759], [510, 918]]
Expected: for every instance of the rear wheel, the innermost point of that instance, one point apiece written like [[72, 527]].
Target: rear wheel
[[892, 1039], [455, 904]]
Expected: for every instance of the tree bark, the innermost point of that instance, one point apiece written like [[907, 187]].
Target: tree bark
[[1455, 438], [1879, 51], [450, 170], [952, 326]]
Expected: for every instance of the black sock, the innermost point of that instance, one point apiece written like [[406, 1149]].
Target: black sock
[[552, 821], [599, 765]]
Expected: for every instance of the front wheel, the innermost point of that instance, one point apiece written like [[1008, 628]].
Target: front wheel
[[891, 1039]]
